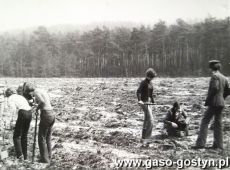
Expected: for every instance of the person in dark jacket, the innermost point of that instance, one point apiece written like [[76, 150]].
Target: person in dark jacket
[[145, 95], [217, 92], [176, 121]]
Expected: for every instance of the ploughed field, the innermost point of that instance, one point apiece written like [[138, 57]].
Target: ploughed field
[[99, 121]]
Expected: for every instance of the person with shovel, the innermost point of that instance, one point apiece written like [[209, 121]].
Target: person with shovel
[[145, 96], [47, 119], [20, 108]]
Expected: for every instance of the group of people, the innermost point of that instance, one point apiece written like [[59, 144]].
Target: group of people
[[23, 102], [27, 99], [176, 119]]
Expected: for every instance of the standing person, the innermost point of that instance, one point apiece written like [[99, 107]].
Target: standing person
[[176, 121], [20, 108], [47, 119], [2, 104], [217, 92], [145, 94]]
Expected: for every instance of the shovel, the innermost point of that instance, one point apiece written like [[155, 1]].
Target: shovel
[[147, 103], [35, 134]]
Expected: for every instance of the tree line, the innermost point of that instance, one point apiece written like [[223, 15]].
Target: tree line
[[180, 49]]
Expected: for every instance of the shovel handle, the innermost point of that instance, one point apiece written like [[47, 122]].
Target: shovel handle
[[149, 104], [35, 134]]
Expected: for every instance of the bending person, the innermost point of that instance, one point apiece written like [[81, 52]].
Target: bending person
[[20, 107], [47, 119]]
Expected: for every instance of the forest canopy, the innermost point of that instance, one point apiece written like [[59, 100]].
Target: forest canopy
[[180, 49]]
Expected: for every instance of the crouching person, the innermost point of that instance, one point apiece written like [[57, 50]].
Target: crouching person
[[20, 108], [176, 121], [47, 119]]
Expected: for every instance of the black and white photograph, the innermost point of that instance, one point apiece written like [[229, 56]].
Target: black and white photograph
[[114, 84]]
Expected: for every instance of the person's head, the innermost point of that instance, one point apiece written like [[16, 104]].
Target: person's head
[[20, 89], [9, 91], [150, 73], [176, 106], [214, 65], [28, 88]]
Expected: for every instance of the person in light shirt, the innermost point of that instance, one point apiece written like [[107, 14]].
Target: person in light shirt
[[19, 107], [47, 119]]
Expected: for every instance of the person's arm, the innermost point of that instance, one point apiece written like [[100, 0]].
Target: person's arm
[[12, 109], [212, 90], [170, 123], [226, 89], [151, 95], [167, 118], [152, 99], [39, 99], [167, 121], [214, 85], [185, 115], [139, 90]]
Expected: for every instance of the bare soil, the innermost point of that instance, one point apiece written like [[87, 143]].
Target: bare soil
[[98, 121]]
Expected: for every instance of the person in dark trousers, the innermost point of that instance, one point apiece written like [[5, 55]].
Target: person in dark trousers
[[217, 92], [47, 119], [145, 95], [20, 108], [176, 121]]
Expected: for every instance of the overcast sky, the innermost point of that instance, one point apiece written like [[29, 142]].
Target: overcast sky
[[19, 14]]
